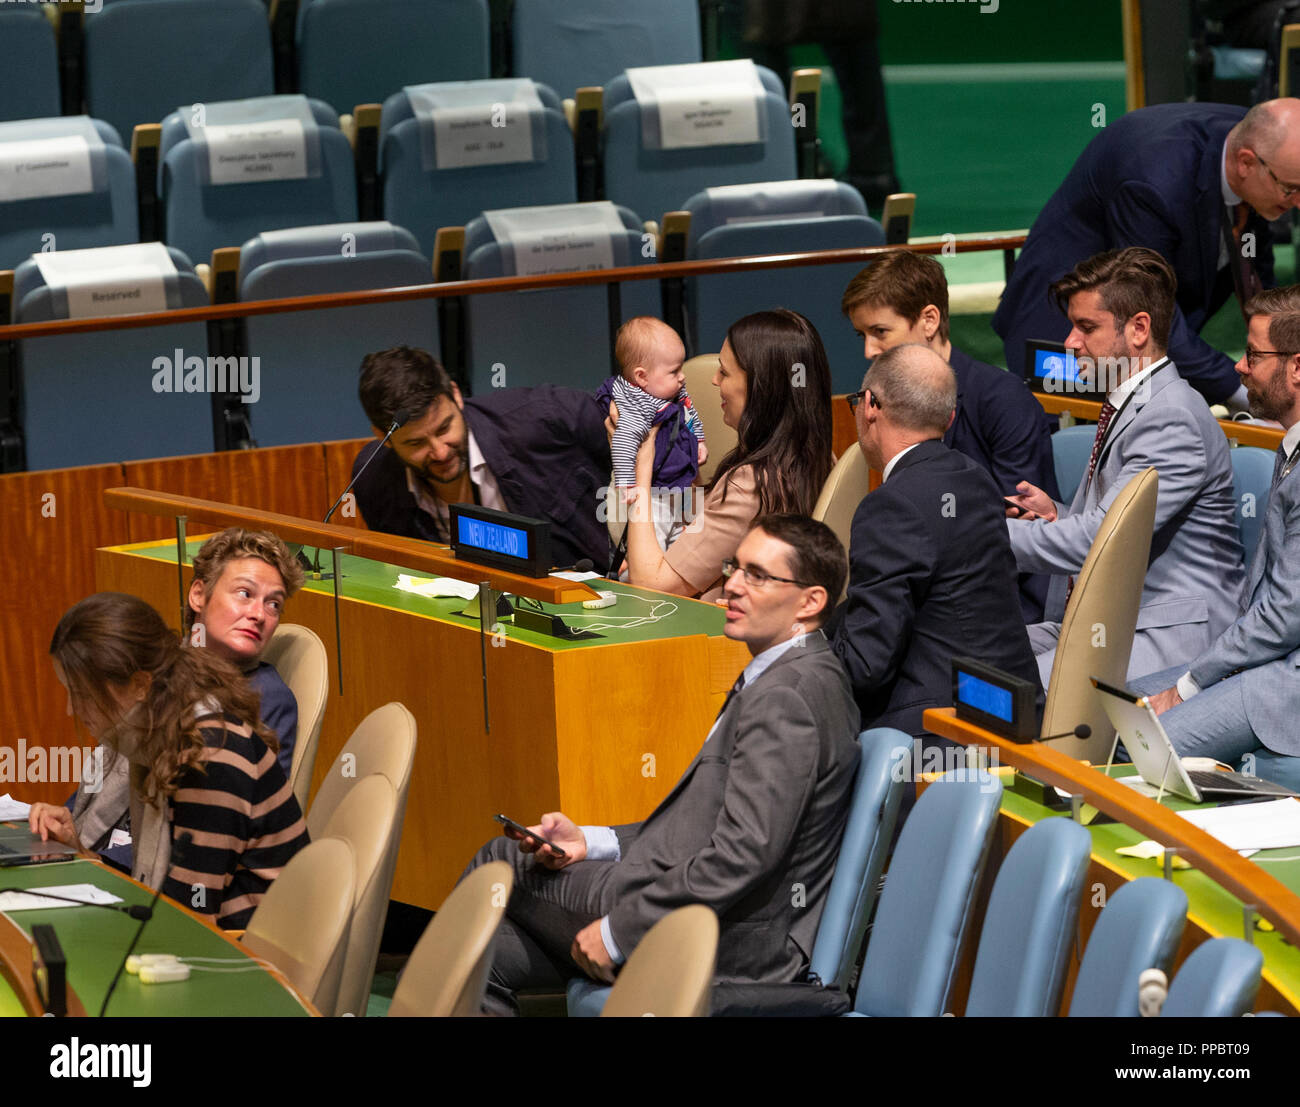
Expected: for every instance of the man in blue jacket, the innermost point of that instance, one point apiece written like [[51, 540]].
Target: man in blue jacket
[[902, 298], [1198, 184]]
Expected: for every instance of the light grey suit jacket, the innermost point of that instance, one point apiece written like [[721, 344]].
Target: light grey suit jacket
[[1194, 578], [753, 827], [1264, 642]]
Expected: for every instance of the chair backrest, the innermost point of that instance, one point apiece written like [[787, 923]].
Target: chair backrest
[[654, 181], [199, 216], [145, 58], [1138, 929], [1071, 448], [298, 655], [582, 43], [31, 84], [1030, 923], [780, 217], [448, 969], [929, 891], [884, 765], [1218, 981], [383, 742], [670, 973], [366, 821], [315, 357], [1097, 632], [699, 372], [105, 216], [129, 397], [841, 496], [422, 200], [301, 925], [1252, 476], [354, 52]]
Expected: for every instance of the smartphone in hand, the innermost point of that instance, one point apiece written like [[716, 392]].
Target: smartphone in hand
[[524, 832]]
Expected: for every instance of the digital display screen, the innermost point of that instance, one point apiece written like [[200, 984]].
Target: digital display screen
[[983, 696], [494, 538], [1055, 366]]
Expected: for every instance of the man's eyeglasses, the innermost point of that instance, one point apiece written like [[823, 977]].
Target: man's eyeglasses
[[855, 398], [1287, 190], [1254, 357], [755, 578]]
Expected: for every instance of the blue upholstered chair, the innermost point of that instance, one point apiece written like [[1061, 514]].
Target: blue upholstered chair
[[30, 88], [310, 362], [1252, 475], [90, 398], [105, 216], [581, 43], [1218, 981], [780, 217], [1138, 929], [929, 894], [1030, 923], [423, 200], [145, 57], [1071, 448], [354, 52], [868, 830], [653, 181]]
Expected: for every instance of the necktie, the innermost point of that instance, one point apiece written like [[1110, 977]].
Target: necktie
[[1277, 467], [1245, 281], [1103, 424], [740, 683]]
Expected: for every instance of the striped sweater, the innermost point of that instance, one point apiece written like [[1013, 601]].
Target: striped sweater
[[245, 821]]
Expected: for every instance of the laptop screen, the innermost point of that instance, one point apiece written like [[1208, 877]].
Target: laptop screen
[[1050, 367]]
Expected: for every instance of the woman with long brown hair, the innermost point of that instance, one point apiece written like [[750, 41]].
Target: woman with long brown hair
[[178, 716]]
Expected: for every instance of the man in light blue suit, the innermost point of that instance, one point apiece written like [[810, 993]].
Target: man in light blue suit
[[1243, 692], [1120, 306]]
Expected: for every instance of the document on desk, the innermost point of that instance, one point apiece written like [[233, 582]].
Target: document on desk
[[12, 810], [30, 900], [1274, 824]]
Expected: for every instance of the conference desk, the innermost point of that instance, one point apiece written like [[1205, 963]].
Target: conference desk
[[94, 942], [599, 729], [1218, 885]]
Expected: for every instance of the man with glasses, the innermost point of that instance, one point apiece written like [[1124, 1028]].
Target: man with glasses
[[1120, 305], [1238, 700], [757, 814], [931, 575], [1198, 184]]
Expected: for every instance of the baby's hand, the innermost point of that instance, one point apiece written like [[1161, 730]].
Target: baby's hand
[[703, 453]]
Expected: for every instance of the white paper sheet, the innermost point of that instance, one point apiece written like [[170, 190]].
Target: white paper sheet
[[1273, 824], [31, 901], [45, 167], [12, 810]]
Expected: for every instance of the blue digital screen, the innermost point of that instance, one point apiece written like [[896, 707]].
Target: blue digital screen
[[1056, 366], [983, 696], [492, 537]]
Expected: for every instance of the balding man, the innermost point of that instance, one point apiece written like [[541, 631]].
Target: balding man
[[931, 573], [1197, 183]]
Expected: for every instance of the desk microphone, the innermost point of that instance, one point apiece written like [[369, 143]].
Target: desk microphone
[[1083, 730], [583, 565], [179, 848]]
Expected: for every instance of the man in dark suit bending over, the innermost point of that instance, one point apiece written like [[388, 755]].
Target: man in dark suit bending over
[[931, 573], [760, 810]]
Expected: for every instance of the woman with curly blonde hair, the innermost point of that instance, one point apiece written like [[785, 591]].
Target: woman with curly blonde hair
[[178, 717]]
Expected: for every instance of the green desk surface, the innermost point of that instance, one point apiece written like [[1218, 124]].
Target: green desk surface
[[639, 615], [95, 940], [1216, 911]]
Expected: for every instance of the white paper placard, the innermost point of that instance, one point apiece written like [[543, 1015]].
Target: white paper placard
[[563, 238], [111, 280], [267, 150], [702, 104], [45, 167], [478, 122]]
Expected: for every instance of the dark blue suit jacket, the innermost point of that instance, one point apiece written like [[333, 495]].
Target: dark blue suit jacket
[[548, 450], [931, 576], [1150, 179]]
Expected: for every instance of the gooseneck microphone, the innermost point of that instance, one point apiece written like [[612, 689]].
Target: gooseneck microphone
[[179, 848], [1083, 730]]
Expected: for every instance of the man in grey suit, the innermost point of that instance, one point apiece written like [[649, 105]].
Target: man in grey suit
[[752, 828], [1243, 692], [1120, 306]]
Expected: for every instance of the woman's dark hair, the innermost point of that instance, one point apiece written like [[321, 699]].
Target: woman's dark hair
[[785, 430], [109, 637]]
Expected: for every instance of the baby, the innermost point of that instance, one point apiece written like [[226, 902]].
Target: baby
[[649, 391]]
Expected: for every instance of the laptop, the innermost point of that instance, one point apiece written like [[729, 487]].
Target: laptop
[[1157, 762], [1051, 368], [21, 847]]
